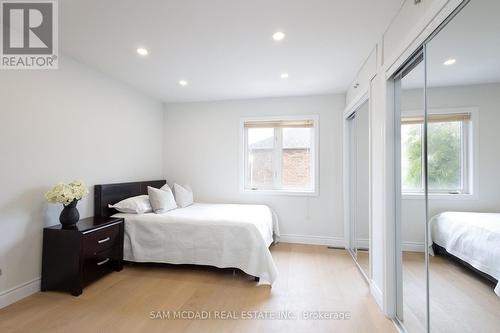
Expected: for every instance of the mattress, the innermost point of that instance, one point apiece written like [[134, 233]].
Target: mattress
[[220, 235], [472, 237]]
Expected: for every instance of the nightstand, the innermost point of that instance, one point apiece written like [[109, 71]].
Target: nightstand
[[74, 257]]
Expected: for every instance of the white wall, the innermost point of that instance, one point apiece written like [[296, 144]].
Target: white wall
[[60, 125], [202, 148], [486, 98]]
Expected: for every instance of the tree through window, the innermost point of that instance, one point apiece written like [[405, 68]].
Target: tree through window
[[447, 155]]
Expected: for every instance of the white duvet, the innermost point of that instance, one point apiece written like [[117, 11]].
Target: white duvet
[[472, 237], [220, 235]]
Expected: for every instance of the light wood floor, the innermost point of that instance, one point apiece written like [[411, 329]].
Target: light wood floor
[[460, 300], [311, 278]]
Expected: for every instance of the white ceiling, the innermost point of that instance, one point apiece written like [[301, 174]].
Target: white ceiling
[[472, 38], [224, 48]]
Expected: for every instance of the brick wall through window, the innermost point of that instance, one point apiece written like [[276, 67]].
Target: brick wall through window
[[296, 167]]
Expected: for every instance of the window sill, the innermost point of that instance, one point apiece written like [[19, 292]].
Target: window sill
[[440, 196], [282, 193]]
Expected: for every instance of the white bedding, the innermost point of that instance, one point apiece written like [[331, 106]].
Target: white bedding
[[472, 237], [220, 235]]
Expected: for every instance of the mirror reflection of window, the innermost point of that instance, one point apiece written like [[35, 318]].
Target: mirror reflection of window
[[448, 153]]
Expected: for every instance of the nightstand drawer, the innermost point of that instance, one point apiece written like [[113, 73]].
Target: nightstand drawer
[[101, 239], [98, 265]]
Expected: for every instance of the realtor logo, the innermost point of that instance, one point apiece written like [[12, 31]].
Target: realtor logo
[[29, 34]]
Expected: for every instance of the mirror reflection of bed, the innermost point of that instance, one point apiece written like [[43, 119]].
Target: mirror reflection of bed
[[463, 103]]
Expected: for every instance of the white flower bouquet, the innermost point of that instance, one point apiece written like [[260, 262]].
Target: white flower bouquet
[[67, 193]]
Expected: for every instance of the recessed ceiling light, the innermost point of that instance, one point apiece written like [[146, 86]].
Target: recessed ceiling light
[[142, 51], [183, 83], [279, 36], [450, 62], [284, 76]]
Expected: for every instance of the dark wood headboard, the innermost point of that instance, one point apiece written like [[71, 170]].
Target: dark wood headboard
[[113, 193]]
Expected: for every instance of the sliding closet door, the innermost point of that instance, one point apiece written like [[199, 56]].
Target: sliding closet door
[[411, 212], [358, 170], [463, 98], [447, 134], [362, 226]]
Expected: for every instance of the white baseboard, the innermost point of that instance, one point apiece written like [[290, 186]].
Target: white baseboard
[[362, 243], [413, 246], [313, 240], [406, 246], [19, 292], [377, 294]]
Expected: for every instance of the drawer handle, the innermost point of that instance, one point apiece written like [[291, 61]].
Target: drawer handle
[[103, 262], [103, 240]]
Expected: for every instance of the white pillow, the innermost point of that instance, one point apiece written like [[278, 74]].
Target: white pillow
[[165, 188], [183, 195], [162, 200], [134, 205]]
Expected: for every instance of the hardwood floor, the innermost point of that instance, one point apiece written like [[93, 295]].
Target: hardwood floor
[[460, 300], [311, 278], [414, 297]]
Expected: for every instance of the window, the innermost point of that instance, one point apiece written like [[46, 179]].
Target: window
[[280, 155], [448, 153]]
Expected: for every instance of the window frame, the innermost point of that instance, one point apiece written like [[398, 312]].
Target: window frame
[[277, 158], [469, 165]]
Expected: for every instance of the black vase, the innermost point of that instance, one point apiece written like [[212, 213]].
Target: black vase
[[69, 215]]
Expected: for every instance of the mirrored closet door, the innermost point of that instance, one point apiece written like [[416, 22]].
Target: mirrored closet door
[[359, 221], [463, 101], [411, 209], [448, 157]]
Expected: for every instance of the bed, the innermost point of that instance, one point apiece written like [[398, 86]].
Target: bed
[[219, 235], [471, 238]]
